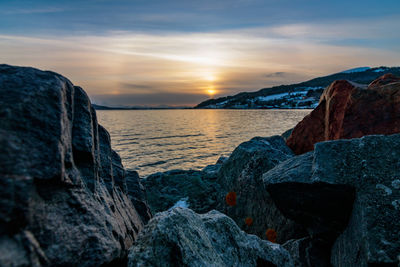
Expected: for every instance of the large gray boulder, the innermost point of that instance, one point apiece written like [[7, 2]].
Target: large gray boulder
[[242, 174], [62, 200], [350, 190], [180, 237], [323, 208]]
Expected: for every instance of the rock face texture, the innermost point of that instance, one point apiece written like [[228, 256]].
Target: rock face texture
[[323, 208], [137, 194], [62, 187], [347, 110], [180, 237], [309, 252], [198, 188], [353, 180], [242, 174]]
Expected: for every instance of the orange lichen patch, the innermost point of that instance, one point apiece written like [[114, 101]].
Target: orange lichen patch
[[271, 235], [231, 198], [248, 221]]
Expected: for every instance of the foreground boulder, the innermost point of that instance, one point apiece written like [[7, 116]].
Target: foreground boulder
[[62, 187], [323, 208], [180, 237], [347, 110], [242, 174], [346, 191]]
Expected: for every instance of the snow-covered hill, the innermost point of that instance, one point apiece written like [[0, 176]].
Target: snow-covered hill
[[300, 96]]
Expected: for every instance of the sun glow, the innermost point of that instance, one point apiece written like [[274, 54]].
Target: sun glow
[[211, 91], [209, 78]]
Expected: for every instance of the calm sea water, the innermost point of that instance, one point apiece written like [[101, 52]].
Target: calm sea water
[[150, 141]]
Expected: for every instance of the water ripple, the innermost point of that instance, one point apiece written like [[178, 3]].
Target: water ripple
[[152, 140]]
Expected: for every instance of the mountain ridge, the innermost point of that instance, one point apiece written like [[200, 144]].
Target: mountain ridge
[[300, 95]]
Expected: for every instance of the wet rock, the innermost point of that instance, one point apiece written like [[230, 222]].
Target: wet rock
[[347, 110], [322, 199], [180, 237], [242, 174], [165, 189], [62, 200]]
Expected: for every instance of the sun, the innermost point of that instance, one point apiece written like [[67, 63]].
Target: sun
[[211, 92]]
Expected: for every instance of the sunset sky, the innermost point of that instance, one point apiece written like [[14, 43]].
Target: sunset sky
[[144, 52]]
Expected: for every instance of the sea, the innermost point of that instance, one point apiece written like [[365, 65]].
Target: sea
[[150, 141]]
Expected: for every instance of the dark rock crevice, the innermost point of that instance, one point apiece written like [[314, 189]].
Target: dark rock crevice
[[319, 206]]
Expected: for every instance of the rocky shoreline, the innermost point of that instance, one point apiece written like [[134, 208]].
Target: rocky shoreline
[[325, 194]]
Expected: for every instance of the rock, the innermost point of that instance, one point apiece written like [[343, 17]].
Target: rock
[[368, 168], [62, 200], [309, 252], [322, 208], [287, 133], [165, 189], [210, 172], [221, 160], [180, 237], [383, 80], [118, 172], [137, 194], [347, 110], [242, 174]]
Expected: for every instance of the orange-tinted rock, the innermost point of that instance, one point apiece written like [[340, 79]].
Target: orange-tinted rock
[[271, 235], [230, 198], [248, 221], [347, 110], [383, 80]]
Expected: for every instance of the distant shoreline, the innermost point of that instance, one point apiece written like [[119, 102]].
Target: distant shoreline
[[100, 107], [97, 107]]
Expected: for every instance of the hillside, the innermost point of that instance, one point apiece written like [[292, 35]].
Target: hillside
[[300, 95]]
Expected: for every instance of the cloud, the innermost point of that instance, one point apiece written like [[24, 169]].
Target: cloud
[[149, 99], [137, 86], [275, 74], [26, 11], [122, 66]]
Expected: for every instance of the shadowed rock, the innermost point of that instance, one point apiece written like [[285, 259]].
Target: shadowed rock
[[62, 199], [180, 237], [309, 252], [287, 133], [165, 189], [242, 174], [317, 190], [321, 207], [137, 194], [347, 110]]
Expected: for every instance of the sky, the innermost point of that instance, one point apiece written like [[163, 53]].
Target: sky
[[182, 52]]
